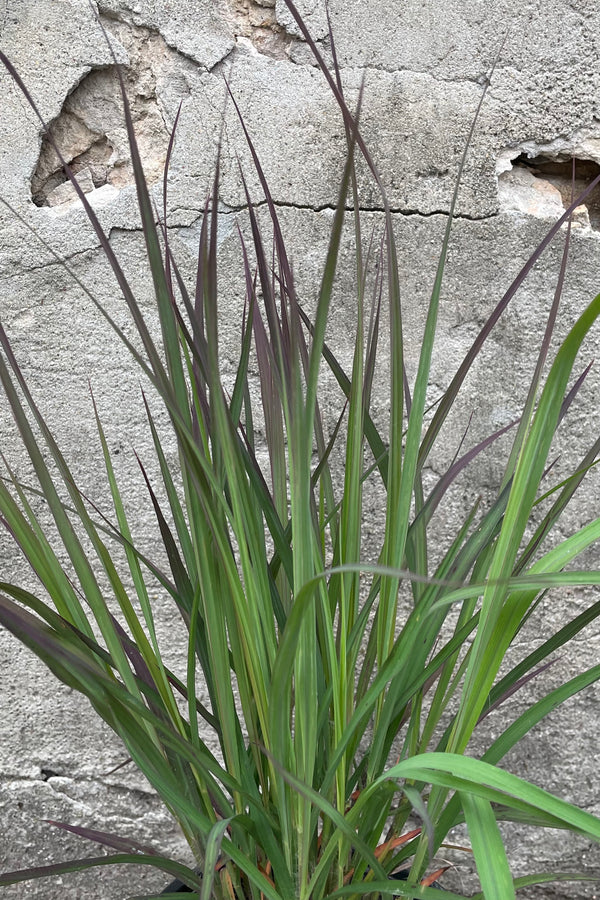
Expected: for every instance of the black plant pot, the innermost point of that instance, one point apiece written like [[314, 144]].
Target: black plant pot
[[178, 886]]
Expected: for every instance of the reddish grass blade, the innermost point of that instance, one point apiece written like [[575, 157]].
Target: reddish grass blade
[[115, 841]]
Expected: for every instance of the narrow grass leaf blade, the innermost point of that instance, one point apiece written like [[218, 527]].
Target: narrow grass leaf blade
[[524, 881], [482, 779], [488, 849], [395, 889], [213, 846], [188, 876], [451, 392], [490, 643], [117, 842], [535, 713]]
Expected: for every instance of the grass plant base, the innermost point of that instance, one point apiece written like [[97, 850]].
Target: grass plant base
[[178, 886]]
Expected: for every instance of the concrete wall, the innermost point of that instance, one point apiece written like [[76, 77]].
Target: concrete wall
[[425, 65]]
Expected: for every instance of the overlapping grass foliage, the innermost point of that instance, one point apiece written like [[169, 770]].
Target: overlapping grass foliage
[[298, 642]]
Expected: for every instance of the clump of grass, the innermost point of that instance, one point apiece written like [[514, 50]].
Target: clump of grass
[[299, 642]]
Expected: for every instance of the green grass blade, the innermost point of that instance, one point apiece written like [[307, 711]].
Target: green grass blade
[[213, 846], [489, 646], [395, 889], [488, 848], [535, 713], [484, 780], [398, 518], [546, 878]]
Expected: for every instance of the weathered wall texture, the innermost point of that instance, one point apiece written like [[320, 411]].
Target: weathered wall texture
[[425, 65]]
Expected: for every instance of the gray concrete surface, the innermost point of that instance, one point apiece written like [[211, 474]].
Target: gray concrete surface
[[425, 64]]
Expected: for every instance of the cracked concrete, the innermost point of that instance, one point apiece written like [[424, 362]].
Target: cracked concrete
[[257, 21], [76, 803], [542, 180], [545, 187], [90, 132], [233, 210], [425, 66], [192, 27]]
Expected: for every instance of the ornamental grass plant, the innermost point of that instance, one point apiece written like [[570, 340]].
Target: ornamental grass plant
[[343, 692]]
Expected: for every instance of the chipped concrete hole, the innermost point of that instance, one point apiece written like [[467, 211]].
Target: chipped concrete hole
[[90, 129], [256, 21], [88, 153], [542, 186]]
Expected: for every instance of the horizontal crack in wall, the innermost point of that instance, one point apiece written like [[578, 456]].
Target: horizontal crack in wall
[[90, 129], [396, 211], [227, 210]]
